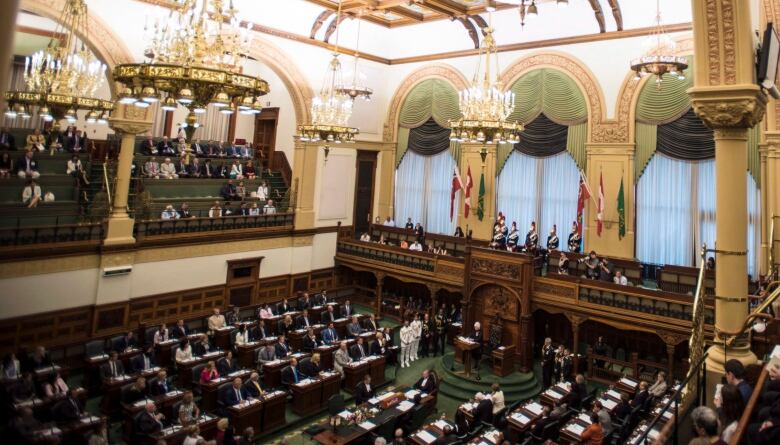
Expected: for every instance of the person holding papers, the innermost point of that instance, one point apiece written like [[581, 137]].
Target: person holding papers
[[341, 358], [113, 368], [281, 347], [359, 350], [364, 391], [209, 373], [426, 383], [329, 335], [236, 393], [292, 374]]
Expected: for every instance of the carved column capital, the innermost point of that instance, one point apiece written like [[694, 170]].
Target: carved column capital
[[575, 320], [727, 108], [131, 119], [380, 277], [433, 289]]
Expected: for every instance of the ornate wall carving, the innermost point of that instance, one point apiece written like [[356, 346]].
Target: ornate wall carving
[[499, 268], [498, 300], [553, 289]]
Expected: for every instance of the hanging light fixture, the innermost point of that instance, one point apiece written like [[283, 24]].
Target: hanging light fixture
[[356, 89], [331, 108], [484, 106], [63, 75], [196, 56], [659, 58]]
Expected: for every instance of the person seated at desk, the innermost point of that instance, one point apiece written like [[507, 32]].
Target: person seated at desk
[[149, 421], [185, 351], [371, 324], [354, 329], [281, 348], [227, 364], [312, 366], [641, 395], [544, 420], [450, 436], [188, 411], [329, 316], [321, 298], [216, 321], [622, 409], [127, 341], [252, 386], [359, 350], [292, 374], [232, 316], [303, 321], [236, 393], [161, 334], [658, 389], [379, 347], [605, 420], [24, 426], [497, 396], [426, 383], [305, 302], [261, 332], [266, 354], [113, 368], [39, 359], [329, 335], [577, 393], [242, 336], [55, 386], [202, 346], [209, 373], [483, 411], [593, 434], [286, 326], [138, 391], [11, 367], [265, 312], [283, 307], [310, 341], [347, 310], [341, 358], [24, 389], [180, 330], [160, 385], [69, 409], [364, 391]]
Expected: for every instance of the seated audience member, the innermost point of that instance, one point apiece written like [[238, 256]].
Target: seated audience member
[[247, 436], [329, 335], [209, 373], [227, 364], [36, 141], [354, 329], [364, 391], [143, 361], [236, 393], [31, 194], [623, 408], [76, 141], [329, 315], [149, 421], [262, 192], [365, 237], [704, 422], [228, 191], [249, 170], [303, 321], [164, 147], [312, 367], [266, 312], [236, 171], [180, 330], [269, 208], [370, 323], [169, 213], [201, 346], [416, 246], [184, 352], [152, 168], [729, 407], [483, 411], [286, 325], [126, 343], [310, 341], [161, 334], [188, 410], [160, 385], [27, 166], [559, 409], [283, 307], [24, 426], [605, 270], [735, 376], [544, 420], [426, 383], [6, 165], [380, 346], [245, 151], [40, 358], [113, 368], [55, 386], [70, 409], [243, 336], [641, 395], [138, 391], [216, 320], [253, 387], [209, 170], [347, 310], [620, 279], [148, 147], [216, 210], [11, 367], [24, 389], [182, 168], [168, 170], [359, 350], [594, 433], [578, 392], [73, 167], [281, 348], [658, 389], [7, 140]]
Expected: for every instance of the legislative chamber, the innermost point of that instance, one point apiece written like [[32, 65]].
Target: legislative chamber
[[372, 222]]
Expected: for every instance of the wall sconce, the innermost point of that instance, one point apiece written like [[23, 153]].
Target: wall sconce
[[327, 152], [483, 154]]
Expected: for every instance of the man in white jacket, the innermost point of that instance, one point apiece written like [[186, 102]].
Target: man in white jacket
[[407, 335], [417, 333]]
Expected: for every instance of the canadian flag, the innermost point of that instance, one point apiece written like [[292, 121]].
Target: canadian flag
[[600, 210], [469, 184], [457, 185]]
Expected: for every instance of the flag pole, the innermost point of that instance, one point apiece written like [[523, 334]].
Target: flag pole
[[587, 186]]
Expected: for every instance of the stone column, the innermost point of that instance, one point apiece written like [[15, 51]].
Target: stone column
[[128, 121], [727, 100], [305, 177], [670, 357], [770, 201], [380, 278]]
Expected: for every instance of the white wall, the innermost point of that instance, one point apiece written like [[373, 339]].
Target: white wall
[[334, 188], [47, 292]]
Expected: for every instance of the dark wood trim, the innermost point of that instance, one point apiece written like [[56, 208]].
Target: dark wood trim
[[231, 134], [168, 123]]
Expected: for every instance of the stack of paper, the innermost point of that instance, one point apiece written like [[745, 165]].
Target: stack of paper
[[367, 425], [575, 428], [535, 408], [405, 405], [426, 437], [520, 417]]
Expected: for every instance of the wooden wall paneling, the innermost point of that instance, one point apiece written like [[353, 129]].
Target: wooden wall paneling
[[321, 279], [110, 319], [273, 289], [299, 283], [50, 329]]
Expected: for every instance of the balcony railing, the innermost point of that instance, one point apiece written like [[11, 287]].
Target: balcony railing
[[68, 233], [162, 227]]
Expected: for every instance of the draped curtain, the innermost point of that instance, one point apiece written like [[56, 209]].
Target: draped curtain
[[539, 189], [429, 138], [422, 192], [543, 137]]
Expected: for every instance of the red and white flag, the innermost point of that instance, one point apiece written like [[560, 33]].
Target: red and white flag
[[457, 185], [600, 210], [467, 187]]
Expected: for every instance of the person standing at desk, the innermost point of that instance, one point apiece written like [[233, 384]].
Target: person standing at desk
[[476, 337], [364, 391], [341, 358], [548, 362], [416, 326], [407, 335], [113, 368]]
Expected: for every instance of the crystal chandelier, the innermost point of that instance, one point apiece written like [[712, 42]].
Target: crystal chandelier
[[659, 58], [64, 77], [484, 105], [196, 55], [331, 108], [356, 89]]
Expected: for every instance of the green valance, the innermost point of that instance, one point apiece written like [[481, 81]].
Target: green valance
[[575, 144], [551, 92], [502, 155], [432, 98], [666, 104], [402, 145], [646, 142], [754, 159]]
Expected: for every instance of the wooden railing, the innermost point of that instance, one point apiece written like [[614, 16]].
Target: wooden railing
[[163, 227], [87, 234], [456, 246], [682, 280], [750, 408], [631, 269]]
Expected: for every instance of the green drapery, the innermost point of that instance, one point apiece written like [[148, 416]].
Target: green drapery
[[661, 106], [402, 146], [432, 98], [551, 92], [575, 144], [502, 155], [646, 142]]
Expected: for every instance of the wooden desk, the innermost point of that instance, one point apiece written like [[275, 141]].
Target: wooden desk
[[463, 351], [296, 337], [272, 371], [210, 391], [504, 360], [92, 372], [377, 366], [112, 392], [222, 337], [72, 432], [572, 431], [554, 394], [353, 374], [331, 385], [306, 396], [164, 404], [274, 414], [185, 367], [164, 350], [245, 414], [326, 355], [175, 435], [42, 406], [628, 385], [521, 420], [246, 353], [453, 330], [435, 429]]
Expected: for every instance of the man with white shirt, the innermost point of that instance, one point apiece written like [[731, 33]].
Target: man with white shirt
[[269, 208], [303, 320], [113, 368], [416, 326], [620, 279], [389, 222], [407, 335], [359, 350], [426, 383], [169, 213], [416, 246], [364, 391]]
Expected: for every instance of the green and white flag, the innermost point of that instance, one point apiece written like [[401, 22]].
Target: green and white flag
[[621, 208]]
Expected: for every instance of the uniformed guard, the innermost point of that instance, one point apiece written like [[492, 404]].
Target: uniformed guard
[[552, 239], [513, 238], [531, 239], [575, 240]]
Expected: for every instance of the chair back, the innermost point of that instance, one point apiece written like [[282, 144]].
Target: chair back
[[94, 348], [335, 404], [149, 334], [196, 370], [114, 342], [222, 391]]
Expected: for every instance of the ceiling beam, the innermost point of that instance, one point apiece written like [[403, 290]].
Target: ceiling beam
[[406, 12]]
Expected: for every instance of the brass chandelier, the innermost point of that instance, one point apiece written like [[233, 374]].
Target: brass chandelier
[[356, 89], [659, 58], [484, 106], [332, 107], [64, 77], [196, 56]]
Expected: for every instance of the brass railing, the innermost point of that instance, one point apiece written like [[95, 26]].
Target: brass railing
[[107, 184], [696, 342], [163, 227]]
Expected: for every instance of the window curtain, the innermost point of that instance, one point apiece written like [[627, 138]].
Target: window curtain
[[543, 137], [423, 185], [429, 138], [539, 189], [686, 138]]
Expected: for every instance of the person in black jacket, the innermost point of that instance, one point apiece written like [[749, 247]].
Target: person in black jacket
[[149, 421], [312, 366], [483, 412], [180, 330], [622, 409], [579, 391], [137, 392], [252, 386], [127, 341], [292, 374], [364, 390], [427, 383], [69, 409], [543, 421], [227, 364], [143, 361], [310, 341], [161, 386], [641, 395], [281, 347]]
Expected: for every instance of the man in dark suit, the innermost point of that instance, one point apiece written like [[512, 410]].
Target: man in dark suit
[[7, 140], [236, 393], [311, 367], [69, 409], [483, 412], [281, 348], [127, 341], [113, 367], [208, 171], [641, 395], [371, 324], [304, 302], [329, 335], [347, 310], [161, 386], [543, 421], [143, 361], [285, 326], [310, 341], [426, 383], [380, 346], [328, 316], [164, 147], [359, 350], [449, 436], [252, 386], [476, 336], [548, 362], [262, 331], [364, 390], [227, 364], [27, 167], [149, 421], [148, 146], [77, 142], [180, 330], [292, 374], [137, 392], [303, 320], [283, 307]]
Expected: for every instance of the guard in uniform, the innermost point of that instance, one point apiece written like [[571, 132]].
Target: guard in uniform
[[575, 240], [440, 331], [552, 239], [499, 237], [427, 335], [531, 239], [567, 365], [513, 238], [548, 362]]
